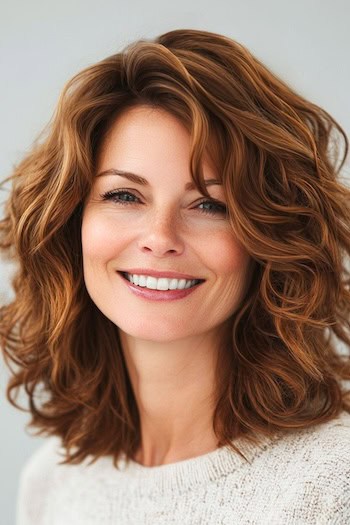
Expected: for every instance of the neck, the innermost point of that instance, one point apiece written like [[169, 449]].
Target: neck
[[174, 387]]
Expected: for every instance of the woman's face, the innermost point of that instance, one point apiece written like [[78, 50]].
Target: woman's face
[[158, 226]]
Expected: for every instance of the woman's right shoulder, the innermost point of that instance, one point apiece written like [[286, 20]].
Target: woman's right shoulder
[[43, 459], [36, 481]]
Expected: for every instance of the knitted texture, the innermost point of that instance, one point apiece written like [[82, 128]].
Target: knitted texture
[[300, 478]]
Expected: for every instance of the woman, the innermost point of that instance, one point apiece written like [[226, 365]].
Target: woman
[[180, 232]]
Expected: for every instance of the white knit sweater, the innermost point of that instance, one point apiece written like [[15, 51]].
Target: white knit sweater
[[303, 478]]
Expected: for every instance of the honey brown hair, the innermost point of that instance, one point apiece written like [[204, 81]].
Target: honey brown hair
[[279, 157]]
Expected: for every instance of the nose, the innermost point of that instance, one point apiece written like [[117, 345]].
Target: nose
[[160, 235]]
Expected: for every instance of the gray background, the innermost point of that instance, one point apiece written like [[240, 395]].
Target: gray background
[[43, 43]]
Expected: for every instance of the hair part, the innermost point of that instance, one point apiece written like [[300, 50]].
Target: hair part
[[279, 158]]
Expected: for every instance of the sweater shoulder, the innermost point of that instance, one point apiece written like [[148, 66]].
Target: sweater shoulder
[[302, 476], [42, 461], [320, 447], [313, 468], [328, 440], [36, 481]]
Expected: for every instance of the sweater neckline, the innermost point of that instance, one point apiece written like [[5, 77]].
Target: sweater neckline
[[185, 474]]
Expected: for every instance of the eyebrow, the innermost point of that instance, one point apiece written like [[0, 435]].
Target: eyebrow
[[144, 182]]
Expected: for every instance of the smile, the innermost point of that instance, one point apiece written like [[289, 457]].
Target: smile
[[161, 289]]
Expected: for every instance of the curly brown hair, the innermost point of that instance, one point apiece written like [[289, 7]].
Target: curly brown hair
[[278, 157]]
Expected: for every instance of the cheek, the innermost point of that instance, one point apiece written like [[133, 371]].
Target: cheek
[[226, 256], [100, 240], [95, 240], [231, 264]]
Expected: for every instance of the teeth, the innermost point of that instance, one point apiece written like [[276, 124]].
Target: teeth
[[160, 284]]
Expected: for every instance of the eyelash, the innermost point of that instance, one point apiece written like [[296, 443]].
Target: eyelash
[[112, 195]]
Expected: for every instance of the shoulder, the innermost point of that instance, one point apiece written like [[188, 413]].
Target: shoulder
[[324, 448], [312, 469], [322, 443], [36, 481], [43, 460]]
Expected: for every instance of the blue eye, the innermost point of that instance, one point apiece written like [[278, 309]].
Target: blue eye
[[218, 208], [116, 196]]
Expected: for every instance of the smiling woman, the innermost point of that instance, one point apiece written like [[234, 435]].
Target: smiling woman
[[181, 233]]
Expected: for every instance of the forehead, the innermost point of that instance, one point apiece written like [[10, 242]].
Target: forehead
[[147, 133]]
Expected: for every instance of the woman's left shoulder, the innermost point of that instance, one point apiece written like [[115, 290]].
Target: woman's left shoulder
[[310, 470], [322, 449], [332, 436]]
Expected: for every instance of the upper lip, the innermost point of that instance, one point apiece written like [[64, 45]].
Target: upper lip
[[155, 273]]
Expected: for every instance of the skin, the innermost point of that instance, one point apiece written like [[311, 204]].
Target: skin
[[170, 347]]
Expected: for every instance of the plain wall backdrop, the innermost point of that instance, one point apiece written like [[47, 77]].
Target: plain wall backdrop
[[44, 43]]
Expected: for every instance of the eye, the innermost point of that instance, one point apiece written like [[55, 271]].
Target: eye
[[218, 208], [116, 195], [125, 198]]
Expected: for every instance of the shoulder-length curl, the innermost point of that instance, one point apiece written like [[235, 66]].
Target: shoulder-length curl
[[277, 156]]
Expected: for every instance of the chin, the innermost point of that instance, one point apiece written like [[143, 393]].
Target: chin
[[157, 332]]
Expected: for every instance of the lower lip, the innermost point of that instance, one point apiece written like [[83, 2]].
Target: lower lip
[[159, 295]]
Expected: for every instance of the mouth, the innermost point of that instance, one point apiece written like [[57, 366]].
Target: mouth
[[173, 284]]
